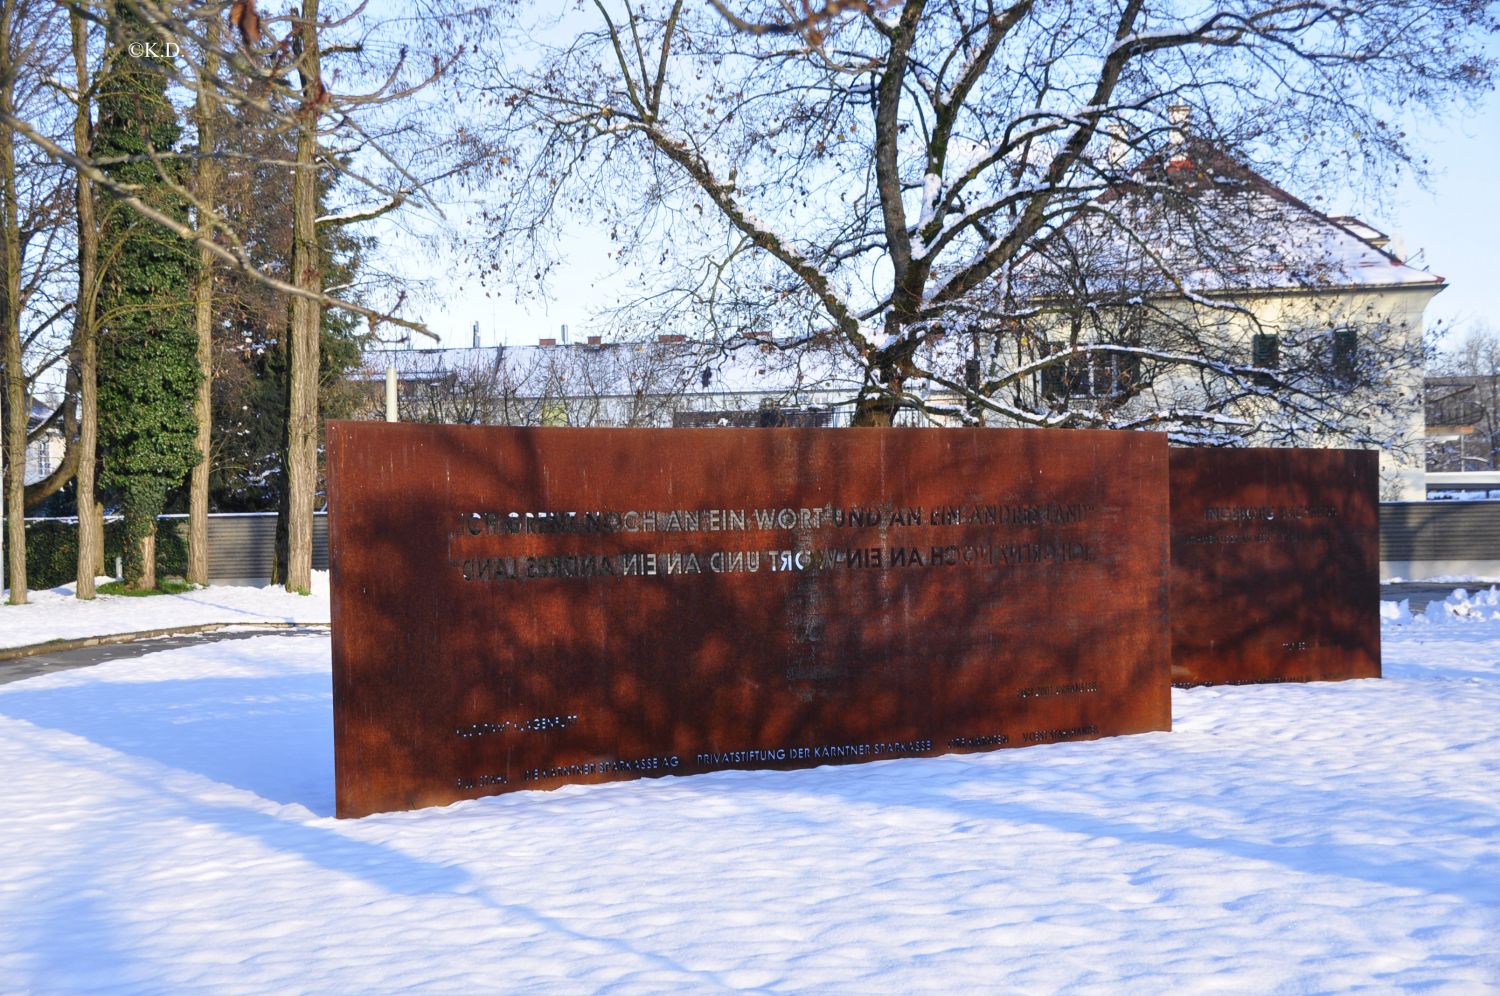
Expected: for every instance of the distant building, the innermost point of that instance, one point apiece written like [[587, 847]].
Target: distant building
[[663, 382], [1205, 255], [46, 452], [1463, 433], [1459, 415]]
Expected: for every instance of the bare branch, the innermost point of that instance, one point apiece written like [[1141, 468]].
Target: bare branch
[[236, 258]]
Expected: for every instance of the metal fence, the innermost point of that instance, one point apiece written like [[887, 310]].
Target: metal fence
[[1418, 539], [242, 546], [1426, 539]]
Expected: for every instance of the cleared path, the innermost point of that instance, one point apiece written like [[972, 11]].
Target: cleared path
[[63, 660]]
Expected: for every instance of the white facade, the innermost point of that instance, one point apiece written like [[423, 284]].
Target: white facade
[[45, 453], [1208, 261]]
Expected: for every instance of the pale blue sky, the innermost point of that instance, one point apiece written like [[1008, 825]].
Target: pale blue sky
[[1456, 225]]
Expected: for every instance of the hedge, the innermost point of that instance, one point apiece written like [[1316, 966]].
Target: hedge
[[52, 551]]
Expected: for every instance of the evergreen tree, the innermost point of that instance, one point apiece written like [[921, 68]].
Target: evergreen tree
[[149, 371], [250, 392], [251, 331]]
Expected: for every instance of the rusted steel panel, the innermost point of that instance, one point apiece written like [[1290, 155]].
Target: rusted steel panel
[[526, 608], [1275, 565]]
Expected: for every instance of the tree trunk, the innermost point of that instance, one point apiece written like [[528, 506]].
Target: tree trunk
[[16, 407], [139, 507], [40, 490], [99, 566], [873, 409], [307, 316], [283, 508], [877, 408], [203, 301], [283, 512], [147, 554], [873, 412], [90, 525]]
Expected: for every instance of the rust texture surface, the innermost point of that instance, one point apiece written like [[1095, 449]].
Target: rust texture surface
[[1275, 565], [527, 608]]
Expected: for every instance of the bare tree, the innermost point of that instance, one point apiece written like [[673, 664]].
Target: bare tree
[[85, 335], [485, 388], [354, 126], [901, 185], [302, 349], [17, 408], [1464, 395], [221, 236], [629, 384], [205, 189], [325, 118], [653, 382], [33, 215], [350, 125]]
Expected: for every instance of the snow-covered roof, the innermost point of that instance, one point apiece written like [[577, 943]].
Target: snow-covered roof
[[743, 367], [1202, 223], [40, 412]]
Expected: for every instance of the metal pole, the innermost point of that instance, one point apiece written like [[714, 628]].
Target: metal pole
[[390, 394]]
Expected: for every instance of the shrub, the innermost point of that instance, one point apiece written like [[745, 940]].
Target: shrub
[[52, 550]]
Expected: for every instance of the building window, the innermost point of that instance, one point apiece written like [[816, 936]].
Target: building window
[[1092, 375], [39, 456], [1342, 356], [1265, 352], [1054, 376]]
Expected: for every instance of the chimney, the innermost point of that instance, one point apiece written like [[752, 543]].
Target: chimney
[[1119, 148], [595, 340], [546, 342], [1180, 115]]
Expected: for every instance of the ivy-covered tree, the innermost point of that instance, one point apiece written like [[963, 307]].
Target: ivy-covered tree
[[148, 365]]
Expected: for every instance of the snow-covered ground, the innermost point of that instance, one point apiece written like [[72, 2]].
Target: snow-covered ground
[[167, 828], [54, 614]]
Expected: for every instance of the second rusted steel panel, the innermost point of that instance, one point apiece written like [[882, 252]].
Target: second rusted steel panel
[[1275, 565], [780, 598]]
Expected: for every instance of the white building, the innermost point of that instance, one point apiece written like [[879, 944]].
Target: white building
[[45, 452], [1205, 289]]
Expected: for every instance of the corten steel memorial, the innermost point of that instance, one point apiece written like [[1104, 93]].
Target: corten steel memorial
[[526, 608], [1275, 565]]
